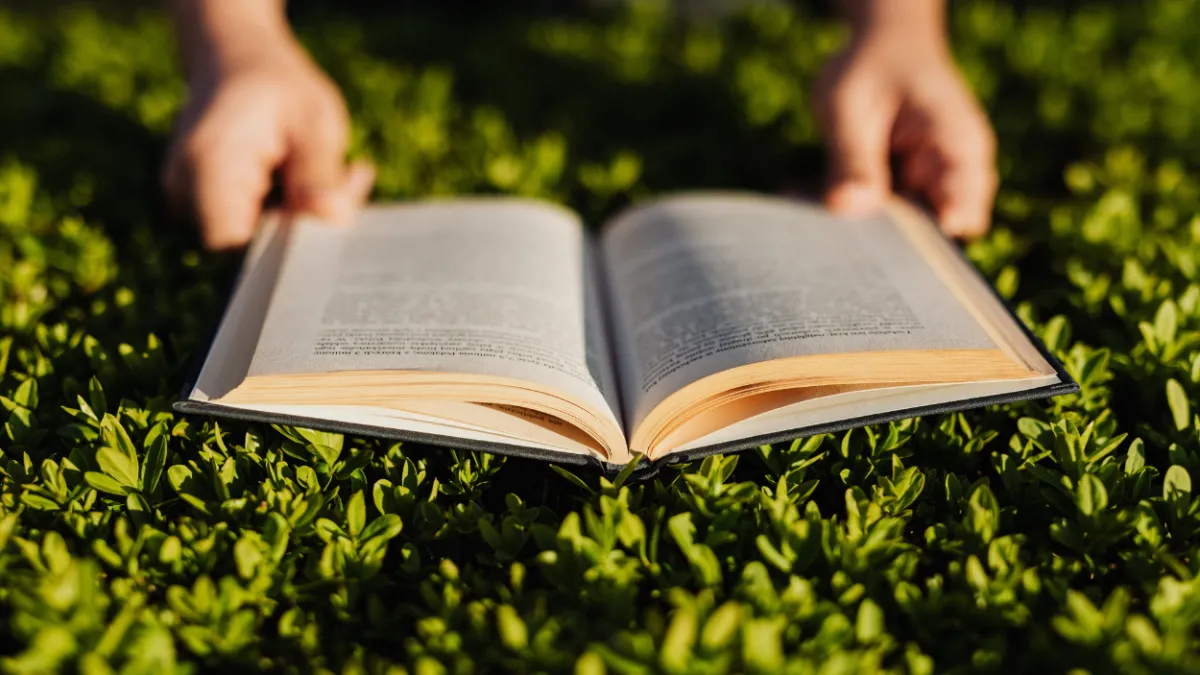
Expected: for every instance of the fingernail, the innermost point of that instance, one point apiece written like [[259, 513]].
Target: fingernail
[[955, 223], [854, 199], [354, 192], [330, 204], [360, 178]]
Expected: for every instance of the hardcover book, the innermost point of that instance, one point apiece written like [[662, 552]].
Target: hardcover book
[[695, 324]]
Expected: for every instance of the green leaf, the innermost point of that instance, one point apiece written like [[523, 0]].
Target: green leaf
[[356, 461], [179, 476], [721, 627], [773, 555], [247, 555], [137, 508], [976, 576], [103, 483], [627, 471], [55, 553], [1177, 400], [356, 514], [869, 626], [680, 639], [385, 527], [115, 437], [762, 644], [512, 629], [117, 466], [327, 453], [590, 663], [1143, 633], [572, 478], [1091, 496], [1177, 482], [327, 444], [37, 502], [1166, 322], [170, 551], [5, 350], [1135, 459], [1095, 368], [1057, 335], [156, 460], [1040, 433], [96, 397], [983, 513], [26, 394], [702, 559], [953, 489]]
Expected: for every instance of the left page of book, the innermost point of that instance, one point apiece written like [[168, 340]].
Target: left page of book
[[483, 287]]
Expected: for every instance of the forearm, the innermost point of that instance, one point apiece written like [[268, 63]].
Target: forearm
[[216, 34], [921, 22]]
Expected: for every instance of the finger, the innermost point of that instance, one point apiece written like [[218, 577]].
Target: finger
[[962, 196], [228, 189], [913, 127], [345, 201], [359, 182], [922, 166], [315, 171], [857, 136]]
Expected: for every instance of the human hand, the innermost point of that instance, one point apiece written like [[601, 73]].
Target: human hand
[[890, 92], [257, 106]]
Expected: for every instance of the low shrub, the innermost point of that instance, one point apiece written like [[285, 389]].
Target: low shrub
[[1044, 536]]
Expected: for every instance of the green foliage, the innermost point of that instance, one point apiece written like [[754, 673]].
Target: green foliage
[[1042, 537]]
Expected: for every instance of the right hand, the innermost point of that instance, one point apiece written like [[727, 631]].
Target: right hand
[[266, 108]]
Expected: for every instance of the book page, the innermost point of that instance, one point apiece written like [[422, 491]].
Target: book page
[[809, 409], [485, 286], [232, 347], [705, 283]]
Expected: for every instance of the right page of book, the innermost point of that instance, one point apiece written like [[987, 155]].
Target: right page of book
[[703, 283]]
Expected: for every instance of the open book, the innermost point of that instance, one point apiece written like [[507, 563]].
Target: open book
[[695, 324]]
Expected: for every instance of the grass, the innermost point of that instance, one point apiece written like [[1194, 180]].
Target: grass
[[1035, 537]]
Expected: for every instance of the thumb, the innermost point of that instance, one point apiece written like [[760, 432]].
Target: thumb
[[857, 140]]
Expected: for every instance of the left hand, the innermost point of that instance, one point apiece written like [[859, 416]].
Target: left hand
[[890, 93]]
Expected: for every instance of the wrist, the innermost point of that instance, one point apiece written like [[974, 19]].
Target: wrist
[[216, 36], [916, 27]]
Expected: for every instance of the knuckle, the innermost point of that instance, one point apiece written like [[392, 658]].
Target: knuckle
[[327, 107], [846, 94], [980, 134], [972, 151], [327, 126], [210, 153]]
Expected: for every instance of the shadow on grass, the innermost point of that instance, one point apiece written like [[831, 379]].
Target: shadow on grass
[[688, 129], [99, 164]]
